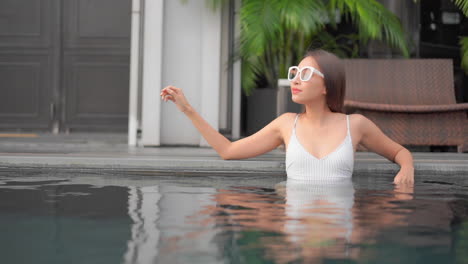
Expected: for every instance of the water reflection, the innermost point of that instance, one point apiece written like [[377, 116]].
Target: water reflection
[[319, 216], [143, 209], [370, 221], [306, 221], [167, 226]]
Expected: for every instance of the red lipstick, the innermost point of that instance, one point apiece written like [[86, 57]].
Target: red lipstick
[[295, 90]]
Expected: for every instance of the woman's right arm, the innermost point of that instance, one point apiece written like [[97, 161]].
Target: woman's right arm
[[259, 143]]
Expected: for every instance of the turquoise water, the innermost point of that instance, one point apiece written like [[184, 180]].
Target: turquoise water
[[51, 217]]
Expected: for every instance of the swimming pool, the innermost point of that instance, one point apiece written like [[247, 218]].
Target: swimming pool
[[67, 217]]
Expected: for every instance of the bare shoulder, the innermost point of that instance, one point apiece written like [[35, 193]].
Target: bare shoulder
[[364, 126], [287, 117], [284, 121], [360, 125], [359, 121]]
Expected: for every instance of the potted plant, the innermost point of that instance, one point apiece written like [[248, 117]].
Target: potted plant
[[276, 33]]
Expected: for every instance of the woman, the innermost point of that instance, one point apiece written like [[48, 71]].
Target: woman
[[321, 141]]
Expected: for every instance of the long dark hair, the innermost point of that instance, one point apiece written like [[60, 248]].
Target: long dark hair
[[335, 80]]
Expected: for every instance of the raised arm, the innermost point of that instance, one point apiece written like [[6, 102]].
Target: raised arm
[[375, 140], [261, 142]]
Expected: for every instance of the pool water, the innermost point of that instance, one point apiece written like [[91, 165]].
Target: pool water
[[66, 217]]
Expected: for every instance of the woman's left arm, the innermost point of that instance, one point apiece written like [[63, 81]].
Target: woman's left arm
[[375, 140]]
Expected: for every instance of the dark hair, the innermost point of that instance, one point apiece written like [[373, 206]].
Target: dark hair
[[333, 69]]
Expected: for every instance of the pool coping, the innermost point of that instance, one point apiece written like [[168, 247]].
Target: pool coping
[[202, 160]]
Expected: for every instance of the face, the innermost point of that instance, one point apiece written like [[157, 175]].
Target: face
[[304, 92]]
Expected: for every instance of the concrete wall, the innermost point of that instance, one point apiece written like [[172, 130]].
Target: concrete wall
[[190, 59]]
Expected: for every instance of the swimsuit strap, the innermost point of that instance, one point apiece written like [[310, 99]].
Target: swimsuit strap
[[347, 123], [295, 122]]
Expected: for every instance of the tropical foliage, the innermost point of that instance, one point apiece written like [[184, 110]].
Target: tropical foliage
[[463, 5], [276, 33]]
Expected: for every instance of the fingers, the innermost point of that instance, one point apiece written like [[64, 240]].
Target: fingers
[[168, 98], [400, 180], [175, 89], [405, 182], [170, 88], [404, 188], [169, 93]]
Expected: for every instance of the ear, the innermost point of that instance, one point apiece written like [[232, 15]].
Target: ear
[[324, 91]]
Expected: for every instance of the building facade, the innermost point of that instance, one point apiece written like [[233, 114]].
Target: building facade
[[188, 45], [79, 65], [98, 65]]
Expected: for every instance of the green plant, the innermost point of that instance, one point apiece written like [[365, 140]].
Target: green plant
[[276, 33], [464, 53], [463, 5]]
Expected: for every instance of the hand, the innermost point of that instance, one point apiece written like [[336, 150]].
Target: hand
[[404, 192], [177, 96], [405, 176]]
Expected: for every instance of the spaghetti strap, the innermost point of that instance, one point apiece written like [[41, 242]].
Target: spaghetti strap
[[347, 124], [337, 165], [295, 122]]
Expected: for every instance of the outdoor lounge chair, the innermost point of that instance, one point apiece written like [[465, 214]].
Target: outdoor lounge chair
[[411, 100]]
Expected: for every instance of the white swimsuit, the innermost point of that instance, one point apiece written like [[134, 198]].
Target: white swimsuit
[[336, 166], [328, 205]]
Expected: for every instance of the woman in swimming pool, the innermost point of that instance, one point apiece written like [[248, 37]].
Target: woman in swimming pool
[[321, 141]]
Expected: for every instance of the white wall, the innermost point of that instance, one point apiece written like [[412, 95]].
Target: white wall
[[188, 39], [191, 61], [152, 48]]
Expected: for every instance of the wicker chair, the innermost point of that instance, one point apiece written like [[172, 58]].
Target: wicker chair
[[411, 100]]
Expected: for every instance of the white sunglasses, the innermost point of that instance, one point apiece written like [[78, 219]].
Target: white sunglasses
[[304, 74]]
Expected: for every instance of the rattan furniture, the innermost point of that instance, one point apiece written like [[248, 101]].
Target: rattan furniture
[[411, 100]]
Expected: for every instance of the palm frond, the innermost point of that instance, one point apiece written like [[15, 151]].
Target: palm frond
[[344, 45], [304, 15], [374, 21], [463, 5], [260, 22], [268, 28], [275, 33], [464, 53], [250, 70]]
